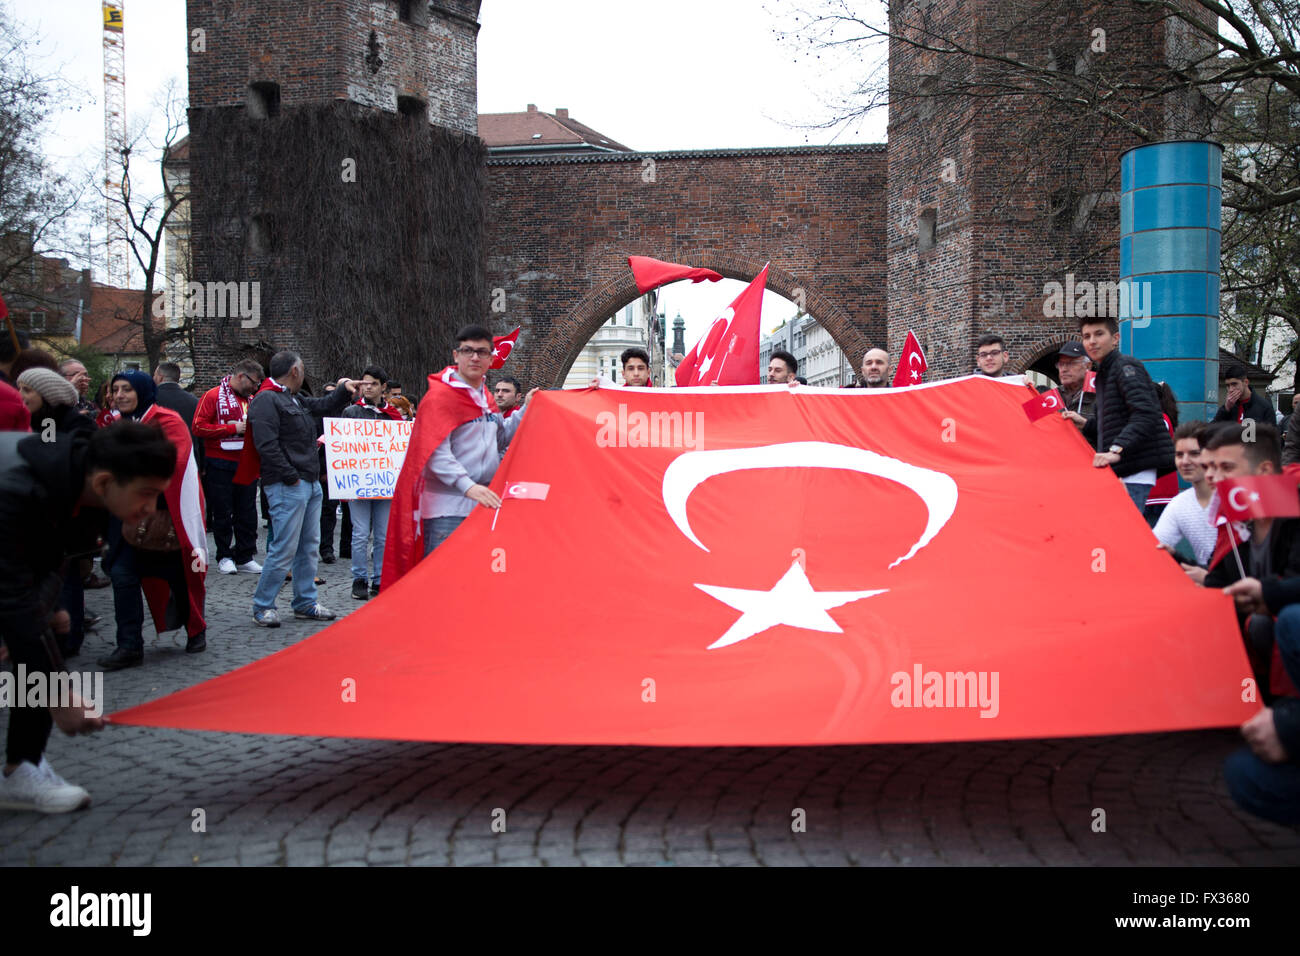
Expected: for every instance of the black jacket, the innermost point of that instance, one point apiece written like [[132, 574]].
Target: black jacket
[[1291, 439], [171, 395], [1257, 407], [1280, 588], [1128, 414], [40, 484], [284, 432]]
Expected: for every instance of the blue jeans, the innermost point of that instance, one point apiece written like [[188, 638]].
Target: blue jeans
[[295, 516], [369, 515], [1139, 494], [1271, 790], [437, 530]]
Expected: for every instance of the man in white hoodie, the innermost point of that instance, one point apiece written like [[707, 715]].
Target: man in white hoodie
[[460, 469]]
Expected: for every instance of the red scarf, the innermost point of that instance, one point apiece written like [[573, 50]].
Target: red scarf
[[385, 409], [444, 408], [250, 463]]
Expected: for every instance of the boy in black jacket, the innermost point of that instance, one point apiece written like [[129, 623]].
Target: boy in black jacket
[[55, 497], [1127, 429], [1264, 777]]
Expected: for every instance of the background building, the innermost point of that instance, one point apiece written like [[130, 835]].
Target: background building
[[821, 361], [637, 325]]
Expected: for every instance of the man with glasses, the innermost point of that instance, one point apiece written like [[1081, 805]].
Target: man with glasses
[[221, 421], [453, 453], [991, 356]]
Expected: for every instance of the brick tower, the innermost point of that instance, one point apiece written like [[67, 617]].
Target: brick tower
[[993, 197], [335, 162]]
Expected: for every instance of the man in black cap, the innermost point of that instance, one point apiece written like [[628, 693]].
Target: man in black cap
[[1072, 368]]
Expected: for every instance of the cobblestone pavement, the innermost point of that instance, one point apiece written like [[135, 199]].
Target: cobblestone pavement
[[288, 800]]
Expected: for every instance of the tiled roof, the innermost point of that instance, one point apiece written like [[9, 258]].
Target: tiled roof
[[113, 323], [538, 129]]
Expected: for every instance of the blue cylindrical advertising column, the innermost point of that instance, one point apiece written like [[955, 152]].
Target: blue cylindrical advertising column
[[1170, 219]]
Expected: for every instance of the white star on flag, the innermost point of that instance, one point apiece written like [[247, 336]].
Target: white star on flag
[[791, 601]]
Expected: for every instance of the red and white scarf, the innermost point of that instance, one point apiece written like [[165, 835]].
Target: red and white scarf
[[230, 409]]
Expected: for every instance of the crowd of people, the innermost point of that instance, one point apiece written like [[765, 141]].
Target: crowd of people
[[144, 475]]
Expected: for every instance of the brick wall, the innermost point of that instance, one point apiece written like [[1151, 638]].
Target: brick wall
[[1008, 179], [323, 50], [559, 232]]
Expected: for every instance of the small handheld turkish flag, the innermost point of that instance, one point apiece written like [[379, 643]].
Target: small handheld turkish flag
[[911, 364], [1043, 405], [652, 273], [502, 346], [1231, 534], [1258, 496], [1090, 381], [728, 353], [536, 490]]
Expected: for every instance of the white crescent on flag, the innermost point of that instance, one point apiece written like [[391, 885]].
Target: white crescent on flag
[[691, 469]]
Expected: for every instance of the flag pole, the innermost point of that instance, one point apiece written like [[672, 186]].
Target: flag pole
[[1235, 553], [497, 513], [1232, 540]]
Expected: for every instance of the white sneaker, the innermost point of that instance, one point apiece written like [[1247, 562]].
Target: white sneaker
[[31, 787], [227, 566], [250, 567]]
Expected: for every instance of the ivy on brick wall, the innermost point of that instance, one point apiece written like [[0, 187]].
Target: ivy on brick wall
[[363, 229]]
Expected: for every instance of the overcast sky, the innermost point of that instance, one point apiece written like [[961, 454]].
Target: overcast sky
[[678, 74]]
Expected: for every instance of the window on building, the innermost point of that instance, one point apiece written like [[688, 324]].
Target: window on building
[[263, 100], [131, 366], [1244, 111], [415, 12], [37, 321], [928, 222], [262, 237], [412, 107]]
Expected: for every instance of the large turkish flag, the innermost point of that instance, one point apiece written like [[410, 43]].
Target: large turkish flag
[[766, 565]]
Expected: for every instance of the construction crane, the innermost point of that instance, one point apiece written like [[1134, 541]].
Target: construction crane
[[119, 263]]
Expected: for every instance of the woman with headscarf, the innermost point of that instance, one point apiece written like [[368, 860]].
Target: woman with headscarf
[[171, 572]]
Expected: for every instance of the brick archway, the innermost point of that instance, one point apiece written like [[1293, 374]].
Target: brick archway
[[1043, 349], [560, 230]]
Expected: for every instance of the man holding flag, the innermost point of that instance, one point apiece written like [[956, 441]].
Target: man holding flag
[[1263, 576], [455, 447]]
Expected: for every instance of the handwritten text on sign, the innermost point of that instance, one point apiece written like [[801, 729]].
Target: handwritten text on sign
[[363, 456]]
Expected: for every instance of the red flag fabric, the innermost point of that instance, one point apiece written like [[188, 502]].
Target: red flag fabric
[[652, 273], [1231, 536], [911, 364], [1258, 496], [185, 504], [1090, 381], [728, 352], [444, 407], [1049, 402], [502, 346], [794, 542]]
